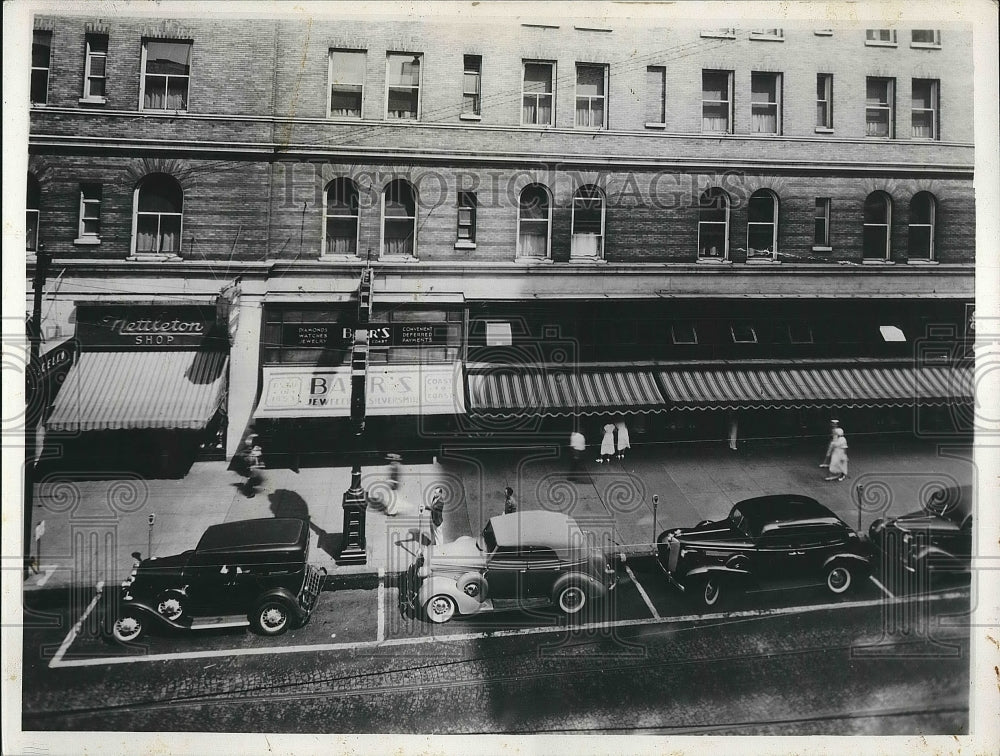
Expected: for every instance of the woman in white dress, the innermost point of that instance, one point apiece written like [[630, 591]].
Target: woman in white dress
[[623, 440], [838, 456], [608, 444]]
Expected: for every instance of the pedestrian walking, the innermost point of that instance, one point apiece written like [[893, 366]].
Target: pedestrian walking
[[607, 444], [509, 502], [734, 430], [437, 515], [838, 456], [577, 448], [834, 424], [622, 444], [253, 464]]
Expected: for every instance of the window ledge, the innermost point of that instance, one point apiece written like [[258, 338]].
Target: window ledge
[[591, 259], [763, 261], [140, 257], [871, 43], [718, 35], [339, 258], [823, 130], [399, 258], [469, 117], [532, 260], [93, 100], [822, 249], [465, 245], [656, 125], [921, 262], [713, 261], [823, 32], [877, 262], [717, 133], [152, 111], [84, 241], [926, 45], [347, 119], [765, 38]]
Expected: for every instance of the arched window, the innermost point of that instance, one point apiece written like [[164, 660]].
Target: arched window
[[534, 221], [923, 211], [340, 218], [878, 226], [713, 225], [33, 204], [762, 225], [588, 222], [399, 219], [159, 207]]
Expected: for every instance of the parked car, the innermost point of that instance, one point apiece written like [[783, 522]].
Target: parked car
[[523, 559], [250, 572], [936, 538], [764, 539]]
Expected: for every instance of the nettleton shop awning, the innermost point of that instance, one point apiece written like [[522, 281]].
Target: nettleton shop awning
[[815, 386], [134, 390], [508, 392]]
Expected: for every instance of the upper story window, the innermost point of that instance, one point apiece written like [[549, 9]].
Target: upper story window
[[762, 225], [159, 207], [923, 209], [468, 203], [743, 333], [824, 102], [95, 68], [880, 37], [166, 75], [41, 54], [399, 219], [591, 96], [821, 229], [534, 221], [538, 94], [472, 75], [772, 35], [588, 222], [765, 103], [717, 101], [880, 107], [347, 83], [89, 231], [713, 225], [340, 218], [877, 226], [403, 95], [656, 95], [924, 115], [33, 212], [925, 38]]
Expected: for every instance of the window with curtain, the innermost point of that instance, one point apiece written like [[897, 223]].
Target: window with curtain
[[537, 94], [925, 38], [765, 103], [877, 226], [166, 75], [588, 222], [41, 53], [95, 67], [762, 225], [340, 218], [159, 207], [399, 219], [591, 88], [924, 114], [880, 36], [656, 94], [347, 83], [879, 104], [824, 101], [403, 77], [716, 101], [33, 214], [713, 225], [471, 85], [534, 217], [923, 209]]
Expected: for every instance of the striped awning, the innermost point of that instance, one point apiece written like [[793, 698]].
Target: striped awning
[[563, 393], [132, 390], [862, 386]]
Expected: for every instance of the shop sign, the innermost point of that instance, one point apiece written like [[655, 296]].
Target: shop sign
[[146, 327], [335, 336]]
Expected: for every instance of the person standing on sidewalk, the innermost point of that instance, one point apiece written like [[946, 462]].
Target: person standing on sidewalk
[[577, 448], [437, 515], [252, 464], [623, 444], [838, 456], [509, 502], [607, 444], [834, 424]]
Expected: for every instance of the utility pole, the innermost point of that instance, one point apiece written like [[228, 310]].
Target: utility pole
[[33, 401]]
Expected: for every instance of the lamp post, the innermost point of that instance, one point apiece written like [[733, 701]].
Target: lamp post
[[354, 548], [33, 404]]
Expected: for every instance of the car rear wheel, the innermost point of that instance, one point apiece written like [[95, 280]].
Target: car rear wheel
[[572, 598], [839, 578], [271, 617], [440, 608], [128, 628]]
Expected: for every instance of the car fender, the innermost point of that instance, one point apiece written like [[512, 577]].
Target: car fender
[[856, 560], [112, 613], [596, 589], [716, 570], [282, 594], [931, 552], [436, 584]]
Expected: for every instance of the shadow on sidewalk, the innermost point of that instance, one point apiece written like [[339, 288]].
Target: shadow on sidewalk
[[285, 503]]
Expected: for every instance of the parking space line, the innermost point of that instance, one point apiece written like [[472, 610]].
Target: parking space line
[[885, 590], [642, 592], [458, 637], [380, 634], [75, 630]]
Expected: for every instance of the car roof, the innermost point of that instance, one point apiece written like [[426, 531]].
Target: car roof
[[761, 510], [535, 528], [277, 533]]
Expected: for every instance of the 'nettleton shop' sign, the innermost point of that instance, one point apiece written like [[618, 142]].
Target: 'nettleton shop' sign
[[183, 326]]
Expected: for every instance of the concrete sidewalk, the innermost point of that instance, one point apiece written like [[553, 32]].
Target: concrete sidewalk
[[93, 525]]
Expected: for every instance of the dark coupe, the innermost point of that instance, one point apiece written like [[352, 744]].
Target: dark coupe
[[765, 539]]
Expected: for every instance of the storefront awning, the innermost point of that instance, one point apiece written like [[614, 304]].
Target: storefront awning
[[562, 393], [862, 386], [133, 390]]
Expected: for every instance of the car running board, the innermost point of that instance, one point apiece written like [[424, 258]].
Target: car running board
[[209, 623]]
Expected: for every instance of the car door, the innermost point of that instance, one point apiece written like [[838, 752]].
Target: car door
[[544, 568], [780, 555], [217, 584], [506, 574]]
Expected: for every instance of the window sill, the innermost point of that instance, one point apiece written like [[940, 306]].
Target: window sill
[[151, 111], [399, 258], [926, 45], [348, 119], [717, 133], [538, 125], [870, 43], [85, 241], [823, 130], [338, 258], [822, 249], [532, 260], [765, 38], [823, 32], [465, 245], [141, 257], [469, 117], [877, 262], [763, 261], [921, 262], [656, 125], [590, 259], [713, 261], [880, 138], [718, 35], [93, 100]]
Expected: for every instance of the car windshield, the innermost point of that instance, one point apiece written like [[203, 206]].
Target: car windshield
[[487, 541], [738, 522]]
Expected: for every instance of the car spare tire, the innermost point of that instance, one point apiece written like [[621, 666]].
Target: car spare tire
[[473, 585]]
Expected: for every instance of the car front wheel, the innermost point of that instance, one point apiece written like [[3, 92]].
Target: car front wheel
[[170, 606], [440, 608], [839, 578], [710, 593], [572, 599], [271, 618], [128, 628]]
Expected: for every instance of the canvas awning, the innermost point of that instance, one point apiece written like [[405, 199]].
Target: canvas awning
[[134, 390], [815, 386]]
